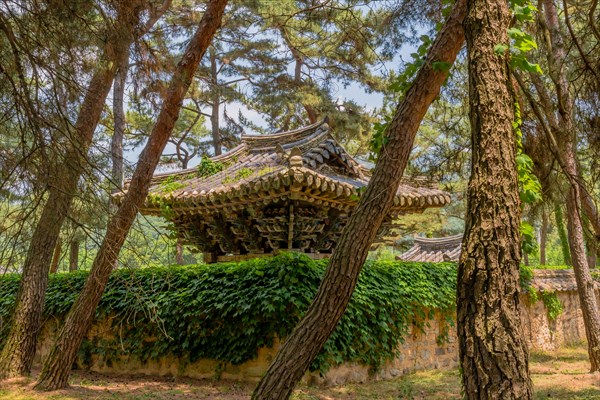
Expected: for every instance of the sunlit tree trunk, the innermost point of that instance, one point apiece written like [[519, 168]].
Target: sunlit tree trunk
[[565, 143], [341, 276], [492, 350], [57, 366], [19, 348], [118, 106]]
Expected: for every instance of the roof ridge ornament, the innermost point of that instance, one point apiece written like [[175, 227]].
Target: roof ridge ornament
[[295, 159]]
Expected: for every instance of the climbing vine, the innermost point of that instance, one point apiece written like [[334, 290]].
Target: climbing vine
[[228, 311], [550, 299], [530, 189], [520, 44], [553, 305]]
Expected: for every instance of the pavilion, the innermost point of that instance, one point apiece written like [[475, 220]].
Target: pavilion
[[284, 191]]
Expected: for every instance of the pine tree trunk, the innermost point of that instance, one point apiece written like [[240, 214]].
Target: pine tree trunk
[[562, 234], [591, 242], [492, 350], [585, 283], [74, 255], [19, 348], [592, 253], [56, 257], [589, 208], [335, 291], [116, 144], [543, 236], [216, 104], [566, 144], [57, 366]]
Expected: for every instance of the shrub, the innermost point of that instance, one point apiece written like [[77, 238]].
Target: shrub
[[228, 311]]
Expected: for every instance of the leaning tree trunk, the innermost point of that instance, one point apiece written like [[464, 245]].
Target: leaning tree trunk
[[589, 208], [566, 146], [57, 366], [116, 144], [19, 348], [585, 283], [216, 104], [492, 350], [335, 291]]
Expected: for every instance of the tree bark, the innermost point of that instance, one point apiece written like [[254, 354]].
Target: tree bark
[[562, 234], [589, 208], [335, 290], [57, 366], [74, 255], [116, 144], [592, 252], [585, 283], [19, 348], [566, 146], [56, 256], [591, 243], [216, 103], [492, 350], [543, 236]]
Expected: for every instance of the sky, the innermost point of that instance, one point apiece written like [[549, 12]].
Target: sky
[[353, 92]]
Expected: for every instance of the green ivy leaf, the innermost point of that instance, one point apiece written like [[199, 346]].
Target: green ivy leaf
[[500, 49]]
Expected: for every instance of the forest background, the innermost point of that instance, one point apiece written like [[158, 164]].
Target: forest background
[[273, 66]]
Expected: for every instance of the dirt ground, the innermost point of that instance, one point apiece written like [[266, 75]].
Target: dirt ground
[[559, 375]]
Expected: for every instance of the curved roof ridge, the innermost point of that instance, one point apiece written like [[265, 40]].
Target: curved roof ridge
[[280, 137], [236, 151], [444, 240], [173, 173], [307, 142]]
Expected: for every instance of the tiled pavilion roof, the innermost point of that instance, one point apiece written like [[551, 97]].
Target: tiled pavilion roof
[[434, 249], [260, 168], [562, 280], [449, 248], [290, 190]]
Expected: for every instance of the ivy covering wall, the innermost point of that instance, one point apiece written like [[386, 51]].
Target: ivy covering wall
[[228, 311]]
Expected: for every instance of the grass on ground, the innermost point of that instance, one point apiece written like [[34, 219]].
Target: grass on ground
[[562, 374]]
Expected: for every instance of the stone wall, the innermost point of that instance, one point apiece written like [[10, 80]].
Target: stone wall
[[420, 350], [543, 334]]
